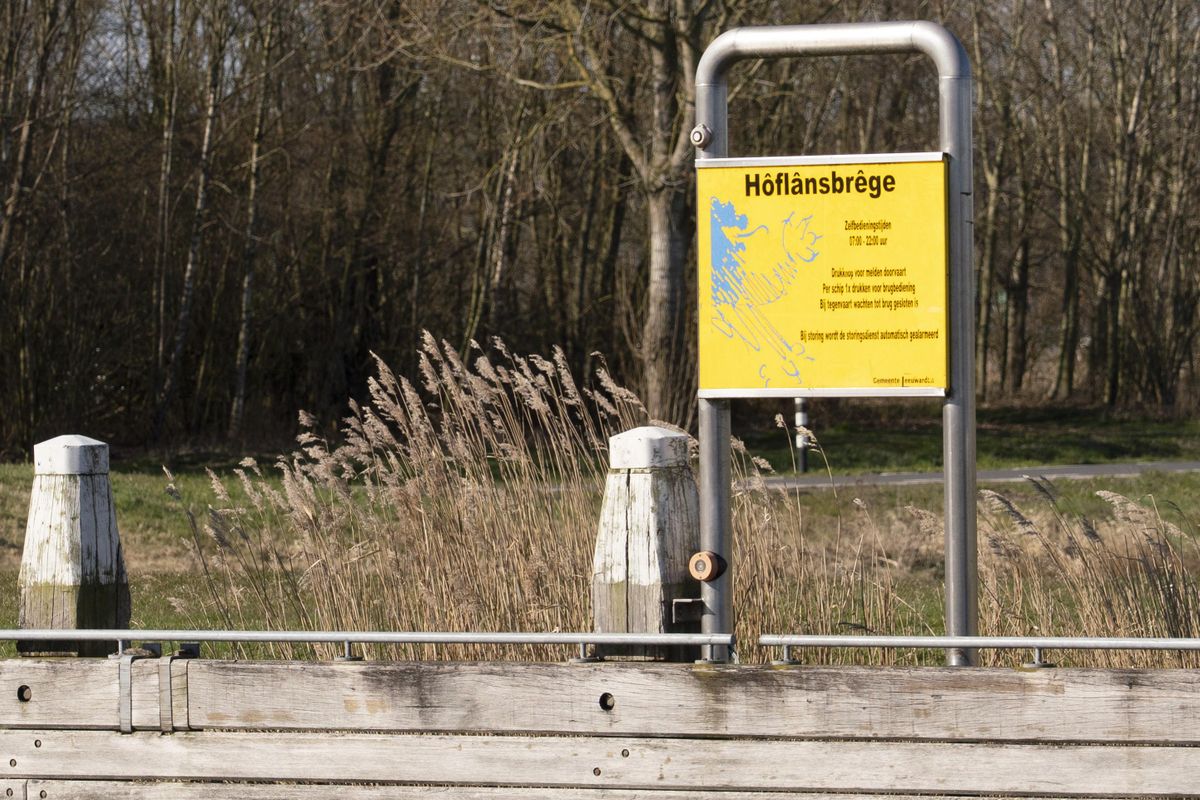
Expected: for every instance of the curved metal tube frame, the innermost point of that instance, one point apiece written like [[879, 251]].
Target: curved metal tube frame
[[958, 413]]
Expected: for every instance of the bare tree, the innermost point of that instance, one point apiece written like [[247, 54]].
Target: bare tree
[[1070, 124], [265, 20], [1164, 291], [39, 57], [160, 24], [217, 21], [638, 64], [216, 209]]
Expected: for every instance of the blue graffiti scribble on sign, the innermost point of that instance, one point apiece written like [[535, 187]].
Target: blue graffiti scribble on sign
[[742, 289]]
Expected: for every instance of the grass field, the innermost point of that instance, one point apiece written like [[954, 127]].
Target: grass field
[[1004, 438], [483, 517]]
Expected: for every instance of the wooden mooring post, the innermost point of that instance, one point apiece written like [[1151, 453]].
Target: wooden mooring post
[[72, 569], [649, 528]]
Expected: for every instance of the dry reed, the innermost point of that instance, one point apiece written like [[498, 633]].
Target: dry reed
[[471, 502]]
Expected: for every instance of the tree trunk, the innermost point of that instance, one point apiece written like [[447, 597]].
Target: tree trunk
[[1018, 297], [993, 158], [500, 252], [187, 295], [170, 96], [1068, 331], [1071, 136], [250, 246], [987, 272], [659, 333], [19, 182], [46, 29], [1114, 284]]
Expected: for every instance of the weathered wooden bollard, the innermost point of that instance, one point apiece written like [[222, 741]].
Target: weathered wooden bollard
[[649, 527], [72, 568]]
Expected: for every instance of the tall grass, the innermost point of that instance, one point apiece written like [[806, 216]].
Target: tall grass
[[461, 504], [470, 502], [1059, 573]]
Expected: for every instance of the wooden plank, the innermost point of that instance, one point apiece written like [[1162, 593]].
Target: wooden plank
[[172, 790], [660, 699], [825, 702], [75, 693], [617, 763]]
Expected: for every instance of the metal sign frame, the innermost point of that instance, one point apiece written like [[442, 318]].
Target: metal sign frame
[[711, 138]]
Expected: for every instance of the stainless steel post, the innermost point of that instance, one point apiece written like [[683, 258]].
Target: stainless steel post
[[711, 137], [958, 412], [716, 522], [802, 442]]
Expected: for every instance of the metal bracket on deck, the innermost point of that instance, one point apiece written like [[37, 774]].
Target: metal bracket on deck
[[127, 656], [786, 660], [125, 671], [584, 658], [166, 696], [1038, 661], [348, 653]]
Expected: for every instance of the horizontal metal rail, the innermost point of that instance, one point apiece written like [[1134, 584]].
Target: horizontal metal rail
[[1035, 643], [365, 637]]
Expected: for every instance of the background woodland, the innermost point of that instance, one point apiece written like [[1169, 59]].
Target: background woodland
[[213, 212]]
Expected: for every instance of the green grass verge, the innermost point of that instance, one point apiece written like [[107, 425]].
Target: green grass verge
[[1004, 438], [154, 528], [158, 600], [1176, 495]]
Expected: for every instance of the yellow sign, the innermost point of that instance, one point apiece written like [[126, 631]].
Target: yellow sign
[[823, 276]]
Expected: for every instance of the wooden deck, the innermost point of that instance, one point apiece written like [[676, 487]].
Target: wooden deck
[[606, 731]]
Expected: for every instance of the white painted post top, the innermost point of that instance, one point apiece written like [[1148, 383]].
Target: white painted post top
[[70, 455], [646, 447]]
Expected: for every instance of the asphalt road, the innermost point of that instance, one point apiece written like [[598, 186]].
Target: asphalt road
[[820, 480]]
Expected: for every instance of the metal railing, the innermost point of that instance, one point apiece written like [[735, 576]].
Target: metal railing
[[122, 637], [1038, 644]]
